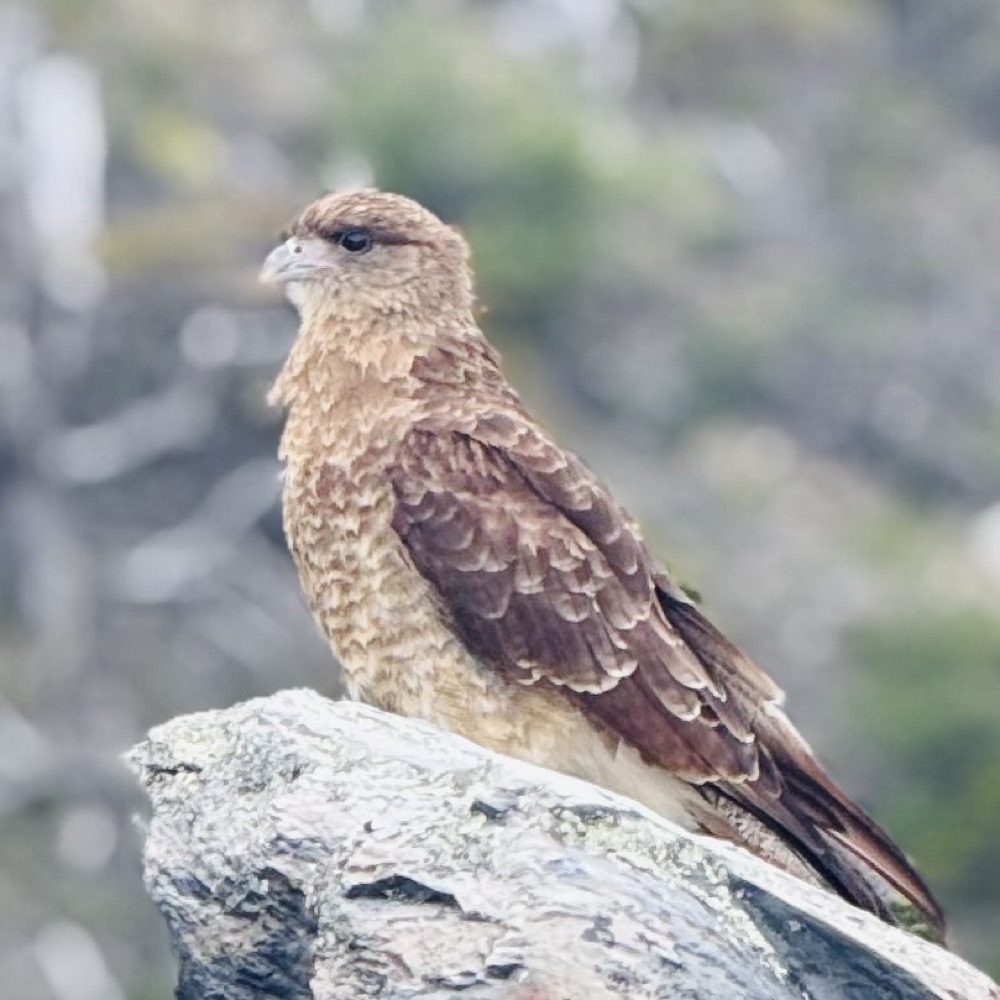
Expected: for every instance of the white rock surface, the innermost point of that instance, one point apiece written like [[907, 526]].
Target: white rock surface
[[301, 848]]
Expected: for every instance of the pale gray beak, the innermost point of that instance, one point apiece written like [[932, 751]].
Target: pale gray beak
[[295, 260]]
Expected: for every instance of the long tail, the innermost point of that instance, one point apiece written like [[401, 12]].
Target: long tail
[[844, 846], [796, 800], [869, 860]]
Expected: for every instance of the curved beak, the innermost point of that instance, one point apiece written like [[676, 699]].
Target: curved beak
[[294, 260]]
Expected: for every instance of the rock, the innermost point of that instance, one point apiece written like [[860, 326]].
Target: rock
[[302, 848]]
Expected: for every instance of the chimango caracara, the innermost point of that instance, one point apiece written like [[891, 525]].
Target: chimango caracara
[[469, 571]]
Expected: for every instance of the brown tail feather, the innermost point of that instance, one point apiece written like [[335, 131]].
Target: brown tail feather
[[865, 842], [854, 856], [854, 835], [847, 848]]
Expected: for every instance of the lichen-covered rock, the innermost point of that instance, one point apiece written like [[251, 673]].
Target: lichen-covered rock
[[301, 848]]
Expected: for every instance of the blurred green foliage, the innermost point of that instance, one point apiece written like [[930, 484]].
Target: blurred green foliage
[[944, 760]]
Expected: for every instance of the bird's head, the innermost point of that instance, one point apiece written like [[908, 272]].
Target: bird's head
[[353, 254]]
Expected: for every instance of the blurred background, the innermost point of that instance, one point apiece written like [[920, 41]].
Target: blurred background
[[741, 256]]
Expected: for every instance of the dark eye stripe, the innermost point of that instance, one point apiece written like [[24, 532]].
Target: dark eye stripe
[[387, 237], [334, 234]]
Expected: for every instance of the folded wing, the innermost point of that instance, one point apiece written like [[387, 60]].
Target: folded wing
[[547, 580]]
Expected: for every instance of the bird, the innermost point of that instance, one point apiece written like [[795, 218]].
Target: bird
[[468, 571]]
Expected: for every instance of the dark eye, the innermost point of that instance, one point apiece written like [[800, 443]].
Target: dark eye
[[355, 240]]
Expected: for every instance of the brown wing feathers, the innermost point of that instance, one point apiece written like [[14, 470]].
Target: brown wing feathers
[[543, 576], [517, 578], [839, 839]]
